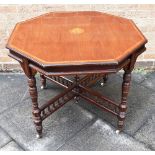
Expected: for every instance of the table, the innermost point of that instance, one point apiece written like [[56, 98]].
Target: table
[[88, 43]]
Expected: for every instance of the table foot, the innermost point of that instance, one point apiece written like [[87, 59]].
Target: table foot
[[38, 136], [118, 132], [43, 81], [43, 87], [104, 80], [102, 84]]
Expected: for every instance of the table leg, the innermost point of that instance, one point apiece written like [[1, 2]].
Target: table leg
[[35, 109], [105, 78], [43, 81], [123, 104], [77, 78]]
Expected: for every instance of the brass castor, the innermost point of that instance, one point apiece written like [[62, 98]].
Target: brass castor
[[38, 136], [104, 80], [118, 132], [102, 84], [43, 87]]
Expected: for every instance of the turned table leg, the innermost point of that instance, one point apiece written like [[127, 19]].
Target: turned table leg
[[104, 80], [123, 104], [43, 81], [35, 109]]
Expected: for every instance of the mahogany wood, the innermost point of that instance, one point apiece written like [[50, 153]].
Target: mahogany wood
[[86, 43], [57, 102], [123, 104], [35, 109], [105, 78], [43, 81], [86, 92], [75, 38]]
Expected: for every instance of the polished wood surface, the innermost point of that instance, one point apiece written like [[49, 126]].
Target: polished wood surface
[[74, 43], [75, 38]]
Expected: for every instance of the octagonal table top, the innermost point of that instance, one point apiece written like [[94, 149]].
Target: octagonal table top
[[76, 38]]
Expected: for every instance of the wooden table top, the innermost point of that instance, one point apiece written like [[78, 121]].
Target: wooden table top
[[75, 38]]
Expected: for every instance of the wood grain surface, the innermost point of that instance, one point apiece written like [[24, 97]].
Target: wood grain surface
[[76, 37]]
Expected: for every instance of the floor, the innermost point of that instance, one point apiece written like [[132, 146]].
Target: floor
[[77, 126]]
